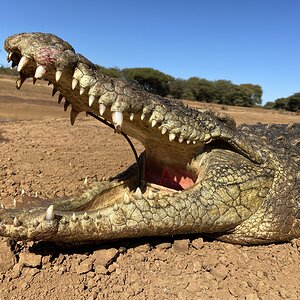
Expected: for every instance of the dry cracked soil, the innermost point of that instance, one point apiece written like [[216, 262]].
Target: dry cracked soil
[[42, 155]]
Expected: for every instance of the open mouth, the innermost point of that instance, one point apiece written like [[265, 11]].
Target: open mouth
[[181, 183]]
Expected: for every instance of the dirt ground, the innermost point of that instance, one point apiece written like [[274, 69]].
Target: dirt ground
[[47, 157]]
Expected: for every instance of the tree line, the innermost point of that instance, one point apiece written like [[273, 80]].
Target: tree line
[[194, 88], [198, 89]]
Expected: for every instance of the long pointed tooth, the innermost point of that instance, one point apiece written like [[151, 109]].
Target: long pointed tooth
[[81, 91], [74, 83], [73, 115], [58, 75], [91, 100], [17, 223], [188, 141], [143, 116], [39, 72], [66, 104], [131, 116], [54, 91], [85, 216], [19, 84], [60, 97], [180, 140], [172, 137], [164, 130], [138, 193], [35, 223], [9, 55], [117, 118], [126, 199], [73, 218], [50, 213], [150, 195], [22, 63], [102, 109], [153, 123], [194, 142]]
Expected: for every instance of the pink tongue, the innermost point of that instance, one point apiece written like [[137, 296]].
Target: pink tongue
[[171, 178]]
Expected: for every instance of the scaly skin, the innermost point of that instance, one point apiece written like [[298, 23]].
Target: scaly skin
[[200, 174]]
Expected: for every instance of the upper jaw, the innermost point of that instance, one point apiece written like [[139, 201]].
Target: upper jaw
[[46, 56]]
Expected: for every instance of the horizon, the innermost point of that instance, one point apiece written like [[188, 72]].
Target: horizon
[[241, 41]]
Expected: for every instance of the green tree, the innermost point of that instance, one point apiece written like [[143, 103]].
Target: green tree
[[152, 80]]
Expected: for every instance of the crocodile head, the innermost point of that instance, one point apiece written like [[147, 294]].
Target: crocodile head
[[198, 173]]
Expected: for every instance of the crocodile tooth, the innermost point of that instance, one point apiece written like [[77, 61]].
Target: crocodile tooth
[[85, 216], [22, 63], [172, 137], [73, 218], [164, 130], [85, 182], [150, 195], [74, 83], [126, 199], [188, 141], [58, 75], [17, 223], [117, 118], [98, 215], [81, 91], [2, 206], [131, 116], [115, 207], [91, 100], [153, 123], [22, 192], [50, 213], [60, 97], [194, 142], [18, 83], [74, 113], [66, 104], [143, 116], [180, 140], [54, 91], [63, 220], [138, 193], [102, 109], [35, 223], [9, 56], [39, 72]]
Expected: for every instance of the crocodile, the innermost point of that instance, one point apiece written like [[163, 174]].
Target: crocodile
[[198, 174]]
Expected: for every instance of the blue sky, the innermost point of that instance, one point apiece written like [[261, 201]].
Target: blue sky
[[245, 41]]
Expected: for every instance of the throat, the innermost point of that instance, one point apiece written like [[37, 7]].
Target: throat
[[172, 177]]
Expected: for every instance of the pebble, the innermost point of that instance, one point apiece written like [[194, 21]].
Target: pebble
[[104, 257], [30, 259], [7, 258], [181, 246], [85, 266]]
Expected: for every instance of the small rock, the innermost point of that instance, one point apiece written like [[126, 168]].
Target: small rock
[[104, 257], [85, 266], [197, 266], [163, 246], [198, 243], [112, 267], [16, 271], [181, 245], [220, 272], [30, 259], [142, 248], [7, 258], [101, 270]]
